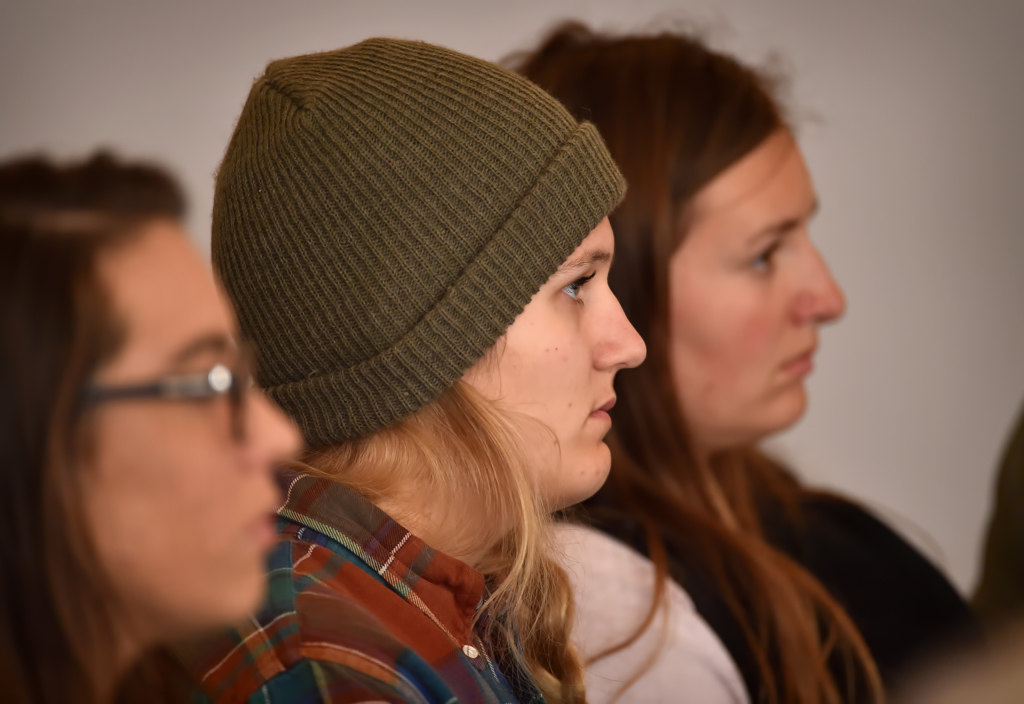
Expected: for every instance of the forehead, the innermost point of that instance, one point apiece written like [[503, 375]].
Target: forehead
[[772, 177], [163, 294], [600, 241]]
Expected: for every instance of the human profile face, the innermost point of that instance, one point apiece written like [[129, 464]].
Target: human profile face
[[179, 506], [556, 364], [747, 293]]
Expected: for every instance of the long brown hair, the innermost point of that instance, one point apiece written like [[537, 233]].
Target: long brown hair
[[461, 450], [57, 327], [675, 114]]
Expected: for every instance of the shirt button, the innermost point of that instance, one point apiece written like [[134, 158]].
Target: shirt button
[[470, 651]]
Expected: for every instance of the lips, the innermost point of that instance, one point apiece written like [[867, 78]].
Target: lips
[[801, 364], [263, 532], [601, 412]]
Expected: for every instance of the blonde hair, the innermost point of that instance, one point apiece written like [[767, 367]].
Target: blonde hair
[[463, 445]]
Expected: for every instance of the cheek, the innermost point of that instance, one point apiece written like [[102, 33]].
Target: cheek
[[165, 465], [168, 517], [148, 497], [546, 378], [719, 339], [757, 333], [550, 384]]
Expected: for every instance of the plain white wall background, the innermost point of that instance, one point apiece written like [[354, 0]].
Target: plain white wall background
[[911, 116]]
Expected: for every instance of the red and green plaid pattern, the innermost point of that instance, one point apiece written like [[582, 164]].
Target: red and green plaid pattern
[[358, 610]]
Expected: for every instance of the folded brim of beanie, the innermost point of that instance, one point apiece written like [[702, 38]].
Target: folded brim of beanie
[[577, 189]]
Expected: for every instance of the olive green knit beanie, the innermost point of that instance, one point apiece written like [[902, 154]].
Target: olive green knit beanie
[[383, 214]]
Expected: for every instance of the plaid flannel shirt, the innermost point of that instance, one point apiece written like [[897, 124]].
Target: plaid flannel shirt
[[358, 610]]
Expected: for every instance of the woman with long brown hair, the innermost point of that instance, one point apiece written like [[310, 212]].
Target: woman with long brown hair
[[814, 599], [136, 491]]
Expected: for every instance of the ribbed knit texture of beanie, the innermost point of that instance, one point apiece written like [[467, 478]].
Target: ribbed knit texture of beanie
[[382, 215]]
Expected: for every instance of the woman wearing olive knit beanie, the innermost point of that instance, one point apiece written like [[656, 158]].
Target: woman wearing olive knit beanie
[[417, 245]]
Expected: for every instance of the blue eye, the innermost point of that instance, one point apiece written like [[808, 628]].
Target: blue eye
[[763, 261], [573, 289]]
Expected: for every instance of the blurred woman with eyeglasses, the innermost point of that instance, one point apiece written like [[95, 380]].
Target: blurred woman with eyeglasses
[[136, 495]]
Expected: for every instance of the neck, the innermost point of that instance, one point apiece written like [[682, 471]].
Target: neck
[[713, 488], [406, 485], [126, 651], [702, 457]]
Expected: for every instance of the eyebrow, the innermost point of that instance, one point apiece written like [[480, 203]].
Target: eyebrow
[[789, 224], [595, 256], [210, 342]]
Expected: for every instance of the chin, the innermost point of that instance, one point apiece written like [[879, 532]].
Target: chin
[[586, 477], [786, 411], [247, 595], [254, 592]]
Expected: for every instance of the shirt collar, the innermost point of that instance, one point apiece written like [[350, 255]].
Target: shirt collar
[[446, 589]]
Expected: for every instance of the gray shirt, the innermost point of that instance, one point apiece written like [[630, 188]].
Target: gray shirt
[[613, 585]]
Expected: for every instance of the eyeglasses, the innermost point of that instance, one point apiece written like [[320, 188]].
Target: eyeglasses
[[218, 380]]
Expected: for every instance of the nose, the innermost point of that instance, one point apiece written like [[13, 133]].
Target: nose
[[619, 345], [820, 300], [273, 438]]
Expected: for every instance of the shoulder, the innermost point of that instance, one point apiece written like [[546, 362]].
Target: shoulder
[[588, 553], [611, 578], [613, 586], [864, 561], [904, 605], [837, 528], [327, 632]]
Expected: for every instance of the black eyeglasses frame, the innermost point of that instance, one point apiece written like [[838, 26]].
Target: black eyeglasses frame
[[218, 380]]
